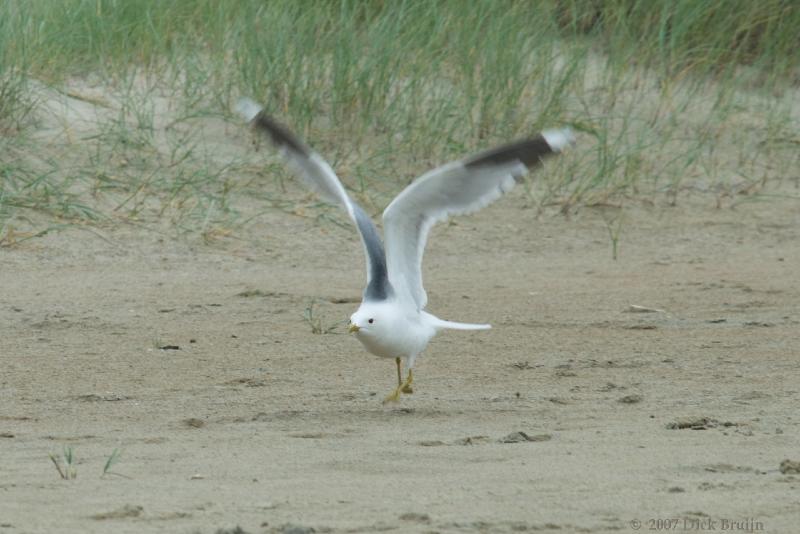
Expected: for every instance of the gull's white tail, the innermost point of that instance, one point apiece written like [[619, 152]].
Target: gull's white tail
[[463, 326], [441, 324]]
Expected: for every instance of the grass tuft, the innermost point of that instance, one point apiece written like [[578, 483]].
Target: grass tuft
[[112, 459], [65, 464], [314, 320], [118, 111]]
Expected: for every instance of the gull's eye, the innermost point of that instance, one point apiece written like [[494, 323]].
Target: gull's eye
[[371, 321]]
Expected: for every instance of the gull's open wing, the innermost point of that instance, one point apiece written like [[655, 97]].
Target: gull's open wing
[[320, 178], [458, 187]]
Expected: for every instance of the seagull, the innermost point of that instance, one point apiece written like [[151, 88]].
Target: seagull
[[391, 321]]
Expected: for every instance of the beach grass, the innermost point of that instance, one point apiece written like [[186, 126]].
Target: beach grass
[[668, 97]]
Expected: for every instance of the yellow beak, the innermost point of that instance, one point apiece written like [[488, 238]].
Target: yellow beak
[[353, 328]]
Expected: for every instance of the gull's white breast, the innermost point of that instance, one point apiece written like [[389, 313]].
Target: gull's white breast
[[402, 338]]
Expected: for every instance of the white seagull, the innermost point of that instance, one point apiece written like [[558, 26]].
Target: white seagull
[[391, 321]]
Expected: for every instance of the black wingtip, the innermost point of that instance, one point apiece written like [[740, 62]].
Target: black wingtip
[[529, 152], [279, 134]]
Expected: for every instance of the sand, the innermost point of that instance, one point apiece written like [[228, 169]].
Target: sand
[[609, 394]]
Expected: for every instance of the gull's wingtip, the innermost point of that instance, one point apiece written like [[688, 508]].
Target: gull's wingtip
[[559, 138], [247, 108]]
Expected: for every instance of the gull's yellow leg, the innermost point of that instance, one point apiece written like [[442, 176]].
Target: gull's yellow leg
[[399, 374], [406, 388], [402, 387]]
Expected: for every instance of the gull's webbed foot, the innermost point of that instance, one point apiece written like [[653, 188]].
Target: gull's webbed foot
[[406, 387], [403, 387], [394, 396]]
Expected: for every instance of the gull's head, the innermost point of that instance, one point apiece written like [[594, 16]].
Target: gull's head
[[371, 320]]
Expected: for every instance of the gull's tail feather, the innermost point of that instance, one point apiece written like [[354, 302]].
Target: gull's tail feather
[[462, 326], [441, 324]]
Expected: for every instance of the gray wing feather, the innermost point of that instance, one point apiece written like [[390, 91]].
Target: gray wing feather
[[318, 175], [378, 287], [456, 188]]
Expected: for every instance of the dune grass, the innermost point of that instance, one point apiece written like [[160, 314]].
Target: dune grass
[[669, 95], [65, 463]]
